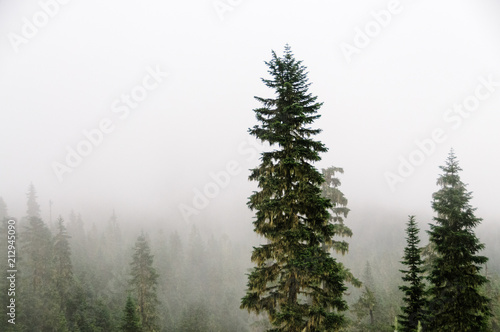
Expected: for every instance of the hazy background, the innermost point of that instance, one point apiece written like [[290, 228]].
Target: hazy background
[[65, 78]]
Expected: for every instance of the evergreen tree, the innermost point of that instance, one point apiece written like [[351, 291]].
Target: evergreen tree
[[414, 299], [33, 209], [63, 266], [339, 211], [39, 298], [296, 281], [456, 300], [130, 321], [367, 304], [144, 283], [330, 189]]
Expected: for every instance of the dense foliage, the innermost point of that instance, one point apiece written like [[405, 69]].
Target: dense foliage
[[456, 300], [296, 281], [99, 276]]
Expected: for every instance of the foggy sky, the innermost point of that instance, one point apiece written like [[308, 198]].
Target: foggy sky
[[71, 74]]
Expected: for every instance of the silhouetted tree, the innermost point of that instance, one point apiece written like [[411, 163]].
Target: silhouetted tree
[[414, 289], [296, 280]]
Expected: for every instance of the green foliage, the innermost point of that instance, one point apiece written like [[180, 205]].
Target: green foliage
[[414, 288], [144, 283], [63, 266], [296, 281], [365, 306], [456, 302], [339, 210], [40, 301], [130, 321]]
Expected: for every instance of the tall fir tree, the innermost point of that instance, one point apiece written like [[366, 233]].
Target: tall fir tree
[[39, 299], [367, 307], [144, 282], [296, 281], [33, 209], [63, 267], [414, 288], [456, 301]]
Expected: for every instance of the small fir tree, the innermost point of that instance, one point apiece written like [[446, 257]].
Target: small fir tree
[[130, 320], [414, 289]]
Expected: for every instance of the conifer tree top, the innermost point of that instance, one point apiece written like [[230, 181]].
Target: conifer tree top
[[285, 118], [456, 299]]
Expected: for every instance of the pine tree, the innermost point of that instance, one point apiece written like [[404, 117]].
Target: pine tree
[[130, 320], [414, 290], [456, 300], [339, 211], [144, 282], [367, 304], [33, 209], [330, 190], [63, 266], [39, 298], [296, 281]]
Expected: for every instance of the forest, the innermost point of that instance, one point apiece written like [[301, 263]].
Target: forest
[[308, 267]]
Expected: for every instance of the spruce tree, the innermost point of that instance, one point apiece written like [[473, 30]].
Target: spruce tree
[[130, 320], [144, 282], [39, 298], [367, 307], [33, 209], [63, 266], [414, 289], [330, 190], [296, 281], [457, 303]]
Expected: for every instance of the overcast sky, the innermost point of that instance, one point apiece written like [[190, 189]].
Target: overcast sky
[[170, 84]]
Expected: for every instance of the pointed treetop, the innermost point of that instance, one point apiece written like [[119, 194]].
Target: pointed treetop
[[451, 164], [33, 206]]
